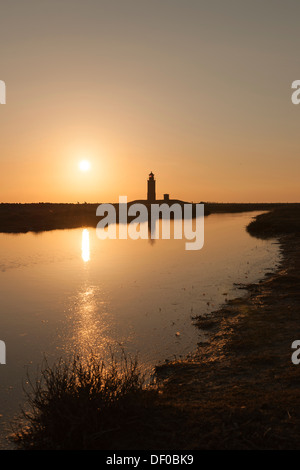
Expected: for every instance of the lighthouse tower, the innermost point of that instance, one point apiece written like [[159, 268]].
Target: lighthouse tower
[[151, 196]]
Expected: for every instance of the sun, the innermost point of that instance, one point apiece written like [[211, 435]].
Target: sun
[[84, 165]]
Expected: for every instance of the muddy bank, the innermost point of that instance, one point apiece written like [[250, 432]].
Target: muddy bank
[[241, 389]]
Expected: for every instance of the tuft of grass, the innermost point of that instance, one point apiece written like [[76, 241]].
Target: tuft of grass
[[84, 404]]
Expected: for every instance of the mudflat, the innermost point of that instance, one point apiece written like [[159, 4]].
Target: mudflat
[[241, 389]]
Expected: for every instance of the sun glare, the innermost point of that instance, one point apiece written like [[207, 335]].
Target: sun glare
[[85, 245], [84, 165]]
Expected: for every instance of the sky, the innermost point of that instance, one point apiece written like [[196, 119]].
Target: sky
[[199, 92]]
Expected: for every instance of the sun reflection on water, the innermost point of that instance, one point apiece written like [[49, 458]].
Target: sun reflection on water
[[90, 323], [85, 245]]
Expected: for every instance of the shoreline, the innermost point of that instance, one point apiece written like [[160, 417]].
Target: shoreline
[[240, 390]]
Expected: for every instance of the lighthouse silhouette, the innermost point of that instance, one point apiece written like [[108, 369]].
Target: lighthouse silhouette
[[151, 196]]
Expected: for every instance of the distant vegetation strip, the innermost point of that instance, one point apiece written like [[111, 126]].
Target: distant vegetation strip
[[22, 218]]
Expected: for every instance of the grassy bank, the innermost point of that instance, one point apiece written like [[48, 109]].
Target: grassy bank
[[239, 391], [285, 220], [81, 403]]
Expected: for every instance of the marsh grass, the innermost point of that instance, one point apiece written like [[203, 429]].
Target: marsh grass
[[83, 403]]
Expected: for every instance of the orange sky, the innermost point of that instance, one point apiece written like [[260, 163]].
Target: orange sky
[[197, 91]]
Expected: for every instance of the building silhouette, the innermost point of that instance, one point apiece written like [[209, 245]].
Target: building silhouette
[[151, 193]]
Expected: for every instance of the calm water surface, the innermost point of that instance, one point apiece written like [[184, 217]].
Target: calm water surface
[[66, 291]]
